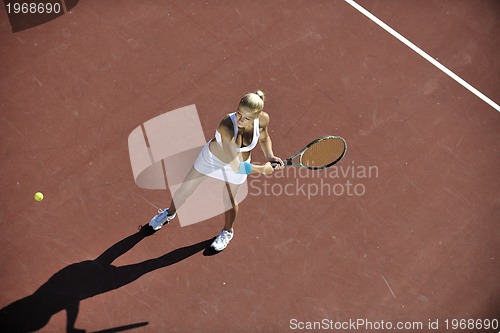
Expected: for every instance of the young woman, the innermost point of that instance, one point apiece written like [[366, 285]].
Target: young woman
[[227, 158]]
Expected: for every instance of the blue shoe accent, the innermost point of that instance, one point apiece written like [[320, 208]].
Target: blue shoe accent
[[160, 219]]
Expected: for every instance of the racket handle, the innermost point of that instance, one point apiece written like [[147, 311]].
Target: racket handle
[[285, 162]]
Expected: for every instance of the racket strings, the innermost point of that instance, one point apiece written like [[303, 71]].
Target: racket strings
[[323, 153]]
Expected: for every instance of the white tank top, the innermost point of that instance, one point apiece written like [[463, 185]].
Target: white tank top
[[255, 138]]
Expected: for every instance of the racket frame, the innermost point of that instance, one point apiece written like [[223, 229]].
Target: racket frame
[[289, 161]]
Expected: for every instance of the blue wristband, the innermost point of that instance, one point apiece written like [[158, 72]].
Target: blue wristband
[[245, 168]]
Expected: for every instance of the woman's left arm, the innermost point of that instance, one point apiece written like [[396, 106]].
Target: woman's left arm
[[265, 141]]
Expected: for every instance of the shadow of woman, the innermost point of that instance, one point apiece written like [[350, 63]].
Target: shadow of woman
[[79, 281]]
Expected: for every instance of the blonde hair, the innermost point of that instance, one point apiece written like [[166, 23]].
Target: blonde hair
[[254, 101]]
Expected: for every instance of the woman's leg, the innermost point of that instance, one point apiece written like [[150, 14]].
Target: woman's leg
[[231, 204], [225, 236], [189, 185], [232, 207]]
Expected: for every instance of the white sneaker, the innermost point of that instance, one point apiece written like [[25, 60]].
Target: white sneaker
[[222, 240], [161, 219]]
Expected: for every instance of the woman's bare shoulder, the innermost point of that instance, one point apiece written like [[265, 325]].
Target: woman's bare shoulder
[[263, 119], [225, 127]]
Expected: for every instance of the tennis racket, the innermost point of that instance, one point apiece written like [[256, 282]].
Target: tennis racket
[[319, 154]]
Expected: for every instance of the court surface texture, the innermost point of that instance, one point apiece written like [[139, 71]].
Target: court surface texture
[[405, 230]]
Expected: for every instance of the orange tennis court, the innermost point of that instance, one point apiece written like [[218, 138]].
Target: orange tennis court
[[402, 235]]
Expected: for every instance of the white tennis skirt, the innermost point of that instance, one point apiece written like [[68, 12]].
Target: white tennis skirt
[[210, 165]]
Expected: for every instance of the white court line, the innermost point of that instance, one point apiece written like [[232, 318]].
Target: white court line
[[423, 54]]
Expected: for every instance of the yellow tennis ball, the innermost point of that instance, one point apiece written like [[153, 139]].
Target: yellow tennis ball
[[38, 196]]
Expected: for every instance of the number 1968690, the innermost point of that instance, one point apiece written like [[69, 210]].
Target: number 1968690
[[33, 8], [471, 324]]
